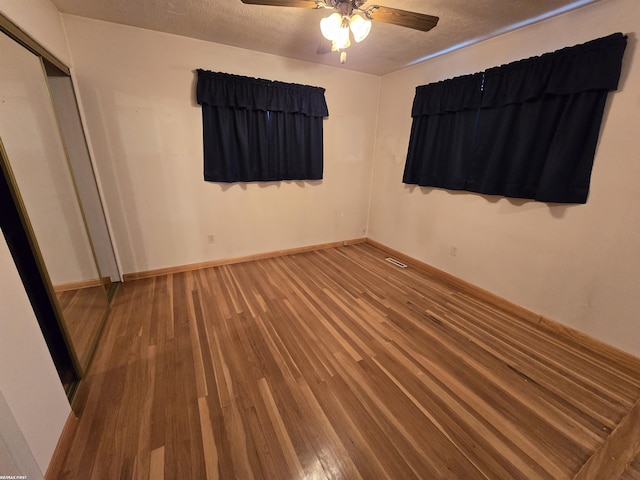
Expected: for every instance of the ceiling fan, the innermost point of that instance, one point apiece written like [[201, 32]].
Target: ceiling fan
[[349, 16]]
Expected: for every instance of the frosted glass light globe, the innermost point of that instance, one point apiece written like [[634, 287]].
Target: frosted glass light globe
[[330, 25], [360, 27]]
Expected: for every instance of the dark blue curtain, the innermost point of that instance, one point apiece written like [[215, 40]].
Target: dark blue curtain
[[260, 130], [444, 120], [536, 126]]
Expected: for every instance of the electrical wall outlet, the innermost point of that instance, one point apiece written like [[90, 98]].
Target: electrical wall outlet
[[454, 251], [211, 238]]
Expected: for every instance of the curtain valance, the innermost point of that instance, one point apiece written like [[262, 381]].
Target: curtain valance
[[455, 94], [226, 90], [594, 65]]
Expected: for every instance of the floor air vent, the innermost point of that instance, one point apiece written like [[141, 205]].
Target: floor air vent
[[395, 262]]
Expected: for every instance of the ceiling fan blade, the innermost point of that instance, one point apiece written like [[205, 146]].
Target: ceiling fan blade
[[284, 3], [403, 18]]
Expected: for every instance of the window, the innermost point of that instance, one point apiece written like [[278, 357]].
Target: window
[[528, 129], [260, 130]]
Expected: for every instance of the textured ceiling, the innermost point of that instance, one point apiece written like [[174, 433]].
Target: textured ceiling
[[295, 32]]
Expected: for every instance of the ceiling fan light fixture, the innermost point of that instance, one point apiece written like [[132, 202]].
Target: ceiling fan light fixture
[[360, 27], [349, 18], [341, 38], [330, 25]]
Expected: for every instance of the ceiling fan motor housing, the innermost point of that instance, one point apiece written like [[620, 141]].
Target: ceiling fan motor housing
[[345, 7]]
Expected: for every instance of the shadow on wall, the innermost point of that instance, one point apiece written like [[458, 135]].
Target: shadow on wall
[[112, 160], [629, 53], [224, 187], [556, 210]]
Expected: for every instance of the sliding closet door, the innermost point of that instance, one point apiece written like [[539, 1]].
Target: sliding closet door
[[64, 101], [38, 165]]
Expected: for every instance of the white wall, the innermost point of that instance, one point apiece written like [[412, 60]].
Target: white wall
[[28, 379], [578, 265], [137, 90], [16, 457]]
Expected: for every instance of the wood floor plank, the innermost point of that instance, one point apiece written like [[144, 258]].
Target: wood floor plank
[[336, 364], [617, 452], [632, 472], [208, 441], [156, 464], [284, 441]]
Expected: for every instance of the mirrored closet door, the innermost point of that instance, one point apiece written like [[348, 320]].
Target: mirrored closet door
[[43, 142]]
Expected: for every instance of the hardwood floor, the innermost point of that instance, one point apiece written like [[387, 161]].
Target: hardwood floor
[[336, 364]]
